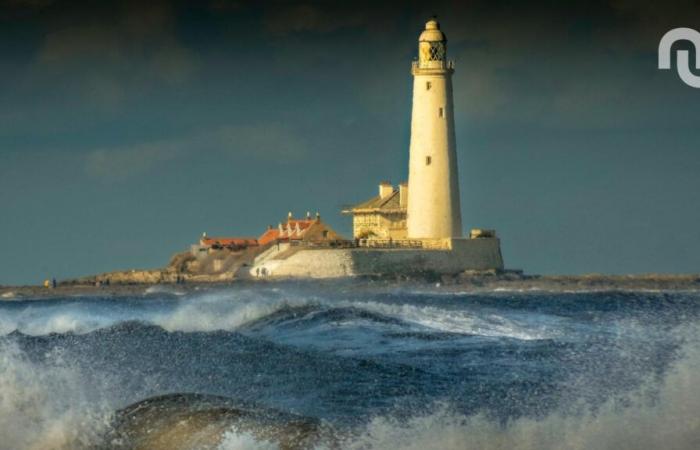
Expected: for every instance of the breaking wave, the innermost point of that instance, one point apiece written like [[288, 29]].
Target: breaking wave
[[44, 406], [67, 365], [655, 416], [667, 419], [455, 321], [230, 313]]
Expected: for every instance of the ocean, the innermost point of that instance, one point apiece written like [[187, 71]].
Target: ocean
[[352, 364]]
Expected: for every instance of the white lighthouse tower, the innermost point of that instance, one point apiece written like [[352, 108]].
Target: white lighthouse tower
[[433, 187]]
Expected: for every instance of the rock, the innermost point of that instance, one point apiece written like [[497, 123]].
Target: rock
[[196, 421]]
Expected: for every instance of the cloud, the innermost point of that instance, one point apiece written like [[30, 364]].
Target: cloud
[[225, 5], [311, 18], [266, 143], [120, 163], [29, 4], [122, 49], [21, 8], [567, 66]]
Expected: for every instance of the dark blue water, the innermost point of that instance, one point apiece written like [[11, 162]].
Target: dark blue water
[[397, 366]]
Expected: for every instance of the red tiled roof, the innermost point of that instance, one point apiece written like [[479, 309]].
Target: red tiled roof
[[303, 224], [269, 236], [287, 230]]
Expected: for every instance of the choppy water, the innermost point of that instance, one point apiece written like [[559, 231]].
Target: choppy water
[[389, 366]]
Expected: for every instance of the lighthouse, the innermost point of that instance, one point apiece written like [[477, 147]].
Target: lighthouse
[[433, 210], [417, 226]]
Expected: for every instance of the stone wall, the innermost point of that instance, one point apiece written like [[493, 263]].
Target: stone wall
[[466, 254]]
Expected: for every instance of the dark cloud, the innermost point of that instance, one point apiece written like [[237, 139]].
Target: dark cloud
[[562, 117], [110, 56], [312, 18], [26, 4], [241, 143], [17, 9]]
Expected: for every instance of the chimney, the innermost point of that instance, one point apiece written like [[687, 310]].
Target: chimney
[[289, 215], [318, 216], [385, 189], [308, 215], [403, 195]]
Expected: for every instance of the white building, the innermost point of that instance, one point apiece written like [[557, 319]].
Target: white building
[[433, 182]]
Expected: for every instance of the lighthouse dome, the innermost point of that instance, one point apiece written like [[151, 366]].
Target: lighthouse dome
[[432, 32]]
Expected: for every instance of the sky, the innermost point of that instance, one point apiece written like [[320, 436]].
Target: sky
[[129, 128]]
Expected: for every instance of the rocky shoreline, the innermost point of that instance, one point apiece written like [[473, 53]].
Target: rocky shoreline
[[476, 282], [581, 283]]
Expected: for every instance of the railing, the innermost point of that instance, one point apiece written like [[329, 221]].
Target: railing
[[390, 243], [360, 243], [437, 64], [338, 243]]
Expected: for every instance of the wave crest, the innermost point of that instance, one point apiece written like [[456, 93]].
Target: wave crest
[[231, 311], [667, 419]]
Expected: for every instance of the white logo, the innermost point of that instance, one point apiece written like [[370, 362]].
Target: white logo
[[683, 66]]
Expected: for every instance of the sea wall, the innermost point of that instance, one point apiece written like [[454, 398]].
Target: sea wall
[[466, 254]]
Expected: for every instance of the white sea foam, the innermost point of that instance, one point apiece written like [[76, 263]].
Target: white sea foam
[[231, 310], [210, 312], [37, 321], [236, 440], [668, 422], [216, 312], [44, 406], [163, 289], [456, 321], [221, 312]]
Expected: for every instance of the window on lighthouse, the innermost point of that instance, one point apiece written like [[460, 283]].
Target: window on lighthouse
[[428, 160], [437, 51], [428, 85], [441, 112]]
